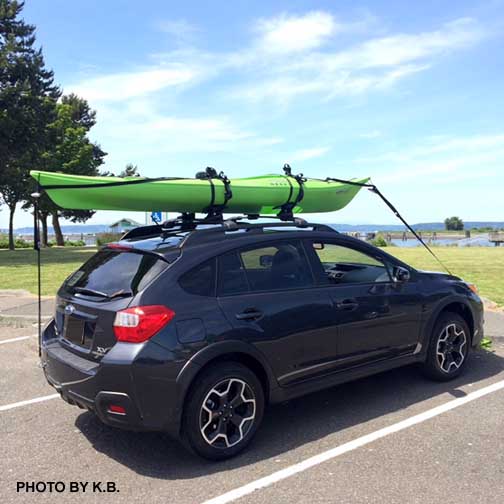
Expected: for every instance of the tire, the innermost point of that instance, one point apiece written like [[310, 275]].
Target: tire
[[223, 411], [449, 347]]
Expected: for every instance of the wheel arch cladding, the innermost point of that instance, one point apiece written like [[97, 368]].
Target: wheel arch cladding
[[452, 305], [460, 309], [243, 358]]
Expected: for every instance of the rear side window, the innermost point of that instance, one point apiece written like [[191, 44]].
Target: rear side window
[[113, 272], [232, 277], [277, 266], [200, 280]]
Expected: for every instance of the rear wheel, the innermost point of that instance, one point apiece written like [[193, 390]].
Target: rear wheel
[[448, 348], [223, 411]]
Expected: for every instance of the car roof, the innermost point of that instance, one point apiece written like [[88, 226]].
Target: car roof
[[172, 237]]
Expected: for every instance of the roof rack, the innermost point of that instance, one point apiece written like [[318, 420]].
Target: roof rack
[[188, 223]]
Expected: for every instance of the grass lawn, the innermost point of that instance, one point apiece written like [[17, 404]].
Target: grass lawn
[[483, 266], [18, 269]]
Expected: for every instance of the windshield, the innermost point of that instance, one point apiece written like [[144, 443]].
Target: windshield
[[112, 273]]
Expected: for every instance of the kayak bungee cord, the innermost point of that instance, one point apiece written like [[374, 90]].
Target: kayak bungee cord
[[142, 180], [394, 210]]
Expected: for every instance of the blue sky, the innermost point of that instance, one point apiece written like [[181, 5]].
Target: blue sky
[[410, 93]]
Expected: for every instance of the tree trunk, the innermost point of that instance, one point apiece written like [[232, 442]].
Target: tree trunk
[[43, 236], [57, 230], [12, 209]]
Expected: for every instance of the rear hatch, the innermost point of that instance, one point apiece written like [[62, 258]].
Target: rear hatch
[[88, 300]]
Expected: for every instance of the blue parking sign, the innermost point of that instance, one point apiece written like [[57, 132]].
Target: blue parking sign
[[156, 217]]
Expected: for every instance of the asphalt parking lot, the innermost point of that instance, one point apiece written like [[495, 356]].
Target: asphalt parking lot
[[395, 437]]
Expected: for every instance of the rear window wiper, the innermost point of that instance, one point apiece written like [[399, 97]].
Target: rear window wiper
[[93, 292], [90, 292], [121, 293]]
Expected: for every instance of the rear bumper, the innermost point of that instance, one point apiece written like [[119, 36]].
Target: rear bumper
[[139, 380]]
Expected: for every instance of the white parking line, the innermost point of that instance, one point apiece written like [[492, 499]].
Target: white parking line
[[28, 401], [20, 338], [352, 445]]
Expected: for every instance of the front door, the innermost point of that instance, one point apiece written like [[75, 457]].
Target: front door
[[377, 318], [268, 295]]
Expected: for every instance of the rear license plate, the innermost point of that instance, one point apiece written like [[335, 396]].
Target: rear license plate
[[74, 330]]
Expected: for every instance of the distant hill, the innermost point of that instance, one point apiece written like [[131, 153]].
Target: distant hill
[[363, 228]]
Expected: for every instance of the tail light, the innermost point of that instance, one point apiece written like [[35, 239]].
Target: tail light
[[138, 324]]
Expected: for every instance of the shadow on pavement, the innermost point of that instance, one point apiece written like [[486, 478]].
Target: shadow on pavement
[[289, 425]]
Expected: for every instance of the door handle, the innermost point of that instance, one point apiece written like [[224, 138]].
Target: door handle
[[249, 314], [347, 305]]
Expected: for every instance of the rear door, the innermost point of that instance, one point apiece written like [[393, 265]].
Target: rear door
[[376, 317], [89, 298], [268, 295]]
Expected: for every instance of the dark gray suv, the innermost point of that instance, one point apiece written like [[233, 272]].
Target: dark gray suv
[[194, 329]]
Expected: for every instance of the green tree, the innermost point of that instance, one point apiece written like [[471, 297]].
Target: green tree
[[28, 98], [70, 151], [454, 224], [130, 170]]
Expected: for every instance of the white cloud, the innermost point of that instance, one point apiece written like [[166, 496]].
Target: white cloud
[[138, 127], [288, 34], [180, 29], [122, 86], [304, 154], [436, 147], [375, 64], [401, 49], [440, 160], [291, 56]]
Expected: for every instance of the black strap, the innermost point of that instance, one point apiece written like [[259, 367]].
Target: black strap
[[375, 190], [287, 208], [210, 174]]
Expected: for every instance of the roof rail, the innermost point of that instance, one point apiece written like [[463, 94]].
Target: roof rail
[[187, 222], [200, 236]]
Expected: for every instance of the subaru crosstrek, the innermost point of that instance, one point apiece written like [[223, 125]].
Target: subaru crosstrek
[[193, 330]]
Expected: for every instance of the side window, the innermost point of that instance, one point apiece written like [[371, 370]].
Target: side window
[[345, 265], [232, 278], [277, 266], [200, 280]]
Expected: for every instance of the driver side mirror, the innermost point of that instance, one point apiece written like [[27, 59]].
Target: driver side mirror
[[401, 275]]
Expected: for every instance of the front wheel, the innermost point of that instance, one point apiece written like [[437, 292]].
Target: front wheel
[[448, 348], [224, 410]]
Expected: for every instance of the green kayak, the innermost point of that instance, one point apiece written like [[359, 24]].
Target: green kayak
[[255, 195]]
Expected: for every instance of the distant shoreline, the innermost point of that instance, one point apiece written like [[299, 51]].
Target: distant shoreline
[[347, 228]]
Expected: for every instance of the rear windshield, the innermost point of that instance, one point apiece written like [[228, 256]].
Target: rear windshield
[[114, 272]]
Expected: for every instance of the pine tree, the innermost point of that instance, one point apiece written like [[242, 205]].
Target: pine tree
[[28, 99]]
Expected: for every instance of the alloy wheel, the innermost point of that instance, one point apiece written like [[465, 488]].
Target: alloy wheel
[[451, 348], [227, 413]]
